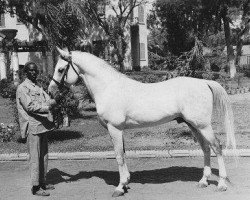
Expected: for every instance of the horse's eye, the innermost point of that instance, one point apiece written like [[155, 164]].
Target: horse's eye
[[60, 70]]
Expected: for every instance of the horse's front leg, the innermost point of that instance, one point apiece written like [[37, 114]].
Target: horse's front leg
[[117, 138]]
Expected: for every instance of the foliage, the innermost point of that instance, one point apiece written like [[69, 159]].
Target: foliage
[[245, 70], [180, 20], [157, 39], [7, 89], [211, 21], [60, 22], [150, 76], [6, 132], [63, 24], [185, 65]]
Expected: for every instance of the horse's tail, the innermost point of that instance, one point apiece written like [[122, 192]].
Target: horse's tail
[[223, 106]]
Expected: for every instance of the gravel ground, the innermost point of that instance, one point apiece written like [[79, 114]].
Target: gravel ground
[[151, 179]]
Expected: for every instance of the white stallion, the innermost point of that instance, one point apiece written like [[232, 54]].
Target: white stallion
[[123, 103]]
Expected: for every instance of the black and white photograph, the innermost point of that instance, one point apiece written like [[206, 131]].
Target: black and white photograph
[[125, 99]]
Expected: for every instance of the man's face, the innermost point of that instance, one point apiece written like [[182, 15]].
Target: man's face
[[32, 72]]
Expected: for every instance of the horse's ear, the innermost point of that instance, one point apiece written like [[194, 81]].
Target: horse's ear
[[63, 53]]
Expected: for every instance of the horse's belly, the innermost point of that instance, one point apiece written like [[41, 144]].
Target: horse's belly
[[149, 116], [135, 123]]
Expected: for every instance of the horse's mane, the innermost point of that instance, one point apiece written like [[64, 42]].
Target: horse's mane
[[103, 64]]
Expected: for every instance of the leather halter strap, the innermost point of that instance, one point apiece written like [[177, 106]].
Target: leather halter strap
[[61, 84]]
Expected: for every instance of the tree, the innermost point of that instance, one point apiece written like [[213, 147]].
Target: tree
[[180, 19], [183, 20], [115, 23], [220, 12], [59, 21]]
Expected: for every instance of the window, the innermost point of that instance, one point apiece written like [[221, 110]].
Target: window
[[142, 51], [141, 14], [248, 60], [2, 20]]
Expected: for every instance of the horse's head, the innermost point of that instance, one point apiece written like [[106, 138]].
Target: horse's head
[[66, 72]]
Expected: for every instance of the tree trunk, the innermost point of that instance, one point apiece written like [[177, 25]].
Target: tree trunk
[[230, 50], [238, 50], [120, 54]]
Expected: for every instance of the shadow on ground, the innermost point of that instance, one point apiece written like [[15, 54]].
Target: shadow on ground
[[61, 135], [156, 176]]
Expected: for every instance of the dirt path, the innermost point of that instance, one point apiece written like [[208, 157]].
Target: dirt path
[[151, 179]]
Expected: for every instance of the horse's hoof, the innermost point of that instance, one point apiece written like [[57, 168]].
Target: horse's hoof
[[202, 185], [222, 188], [117, 193]]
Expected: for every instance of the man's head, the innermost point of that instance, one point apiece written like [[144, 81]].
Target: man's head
[[31, 71]]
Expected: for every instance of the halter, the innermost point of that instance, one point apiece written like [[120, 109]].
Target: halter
[[61, 84]]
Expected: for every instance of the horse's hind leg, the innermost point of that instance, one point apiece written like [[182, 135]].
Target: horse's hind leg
[[117, 139], [207, 153], [214, 143]]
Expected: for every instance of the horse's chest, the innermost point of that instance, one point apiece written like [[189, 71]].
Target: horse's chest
[[111, 112]]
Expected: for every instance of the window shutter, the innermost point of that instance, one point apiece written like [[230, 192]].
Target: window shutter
[[142, 51], [141, 14], [248, 60]]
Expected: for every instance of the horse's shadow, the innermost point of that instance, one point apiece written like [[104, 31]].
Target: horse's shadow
[[155, 176]]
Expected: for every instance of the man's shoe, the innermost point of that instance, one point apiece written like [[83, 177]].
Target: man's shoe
[[40, 192], [48, 187]]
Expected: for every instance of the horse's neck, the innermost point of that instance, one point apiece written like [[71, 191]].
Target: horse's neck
[[94, 87], [96, 77]]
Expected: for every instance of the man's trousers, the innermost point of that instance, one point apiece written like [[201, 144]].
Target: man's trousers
[[38, 150]]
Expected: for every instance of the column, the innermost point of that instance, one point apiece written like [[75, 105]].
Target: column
[[50, 62], [44, 62], [15, 67], [3, 66]]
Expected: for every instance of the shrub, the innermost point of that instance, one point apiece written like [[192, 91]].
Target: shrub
[[215, 67], [7, 89], [245, 69], [152, 78], [6, 132]]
